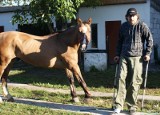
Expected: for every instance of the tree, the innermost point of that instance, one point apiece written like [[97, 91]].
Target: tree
[[43, 11]]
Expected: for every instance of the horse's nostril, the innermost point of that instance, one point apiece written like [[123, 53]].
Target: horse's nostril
[[83, 47]]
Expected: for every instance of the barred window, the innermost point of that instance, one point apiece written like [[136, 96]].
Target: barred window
[[94, 34]]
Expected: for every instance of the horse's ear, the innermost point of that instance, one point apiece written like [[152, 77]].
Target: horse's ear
[[79, 21], [89, 21]]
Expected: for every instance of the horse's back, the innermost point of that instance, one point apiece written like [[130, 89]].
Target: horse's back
[[36, 50], [13, 43], [45, 51]]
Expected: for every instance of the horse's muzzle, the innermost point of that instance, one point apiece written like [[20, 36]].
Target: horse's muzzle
[[83, 47], [84, 44]]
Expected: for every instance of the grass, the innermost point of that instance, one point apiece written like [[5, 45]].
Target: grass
[[96, 81], [22, 109], [99, 102]]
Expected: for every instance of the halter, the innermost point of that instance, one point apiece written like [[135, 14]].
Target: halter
[[84, 40], [84, 44]]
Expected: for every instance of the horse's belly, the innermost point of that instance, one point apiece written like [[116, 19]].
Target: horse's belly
[[45, 62], [56, 63]]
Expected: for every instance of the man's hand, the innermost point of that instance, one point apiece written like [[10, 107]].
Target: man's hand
[[116, 59], [146, 58]]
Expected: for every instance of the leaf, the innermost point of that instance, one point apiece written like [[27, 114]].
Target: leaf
[[46, 10]]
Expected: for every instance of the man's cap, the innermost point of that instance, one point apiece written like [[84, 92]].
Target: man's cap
[[131, 12]]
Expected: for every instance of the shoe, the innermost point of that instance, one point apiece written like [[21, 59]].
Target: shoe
[[116, 111], [132, 112]]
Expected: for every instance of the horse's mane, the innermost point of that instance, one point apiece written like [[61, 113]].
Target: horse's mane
[[61, 34], [67, 29], [61, 31]]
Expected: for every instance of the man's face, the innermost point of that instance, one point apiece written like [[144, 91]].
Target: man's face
[[132, 19]]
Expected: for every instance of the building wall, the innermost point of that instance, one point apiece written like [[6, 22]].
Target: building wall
[[112, 13], [155, 27], [102, 14], [99, 16], [97, 60], [5, 20]]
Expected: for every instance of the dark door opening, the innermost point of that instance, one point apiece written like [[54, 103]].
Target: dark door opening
[[1, 29], [112, 31]]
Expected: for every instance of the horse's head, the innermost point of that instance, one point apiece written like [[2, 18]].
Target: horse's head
[[85, 31]]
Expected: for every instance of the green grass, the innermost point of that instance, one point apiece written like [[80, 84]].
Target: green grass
[[99, 102], [23, 109], [96, 81]]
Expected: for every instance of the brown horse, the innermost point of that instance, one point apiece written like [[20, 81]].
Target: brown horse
[[58, 50]]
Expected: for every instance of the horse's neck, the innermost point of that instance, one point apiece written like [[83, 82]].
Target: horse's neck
[[70, 37]]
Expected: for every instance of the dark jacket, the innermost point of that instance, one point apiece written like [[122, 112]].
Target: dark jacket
[[132, 40]]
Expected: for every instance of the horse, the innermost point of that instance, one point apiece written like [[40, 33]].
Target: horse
[[58, 50]]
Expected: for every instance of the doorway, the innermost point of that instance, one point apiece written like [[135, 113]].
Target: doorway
[[112, 31], [1, 29]]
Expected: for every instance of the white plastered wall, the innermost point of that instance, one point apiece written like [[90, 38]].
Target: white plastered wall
[[5, 20], [102, 14], [112, 13]]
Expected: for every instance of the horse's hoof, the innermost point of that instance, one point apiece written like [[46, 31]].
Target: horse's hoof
[[87, 100], [76, 100], [9, 98]]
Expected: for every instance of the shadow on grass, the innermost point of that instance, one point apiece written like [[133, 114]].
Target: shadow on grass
[[33, 74], [95, 79], [57, 106]]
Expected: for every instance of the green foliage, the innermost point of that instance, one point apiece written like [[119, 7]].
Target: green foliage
[[20, 17], [44, 11], [92, 3]]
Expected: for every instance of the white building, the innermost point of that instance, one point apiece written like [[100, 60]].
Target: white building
[[108, 19], [6, 14]]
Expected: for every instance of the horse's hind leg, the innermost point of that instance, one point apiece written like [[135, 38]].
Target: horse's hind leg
[[4, 69], [72, 86]]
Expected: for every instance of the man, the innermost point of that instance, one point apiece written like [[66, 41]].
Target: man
[[134, 46]]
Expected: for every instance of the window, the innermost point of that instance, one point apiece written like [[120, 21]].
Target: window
[[1, 29], [94, 35]]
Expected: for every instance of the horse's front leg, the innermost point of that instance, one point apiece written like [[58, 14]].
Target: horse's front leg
[[77, 73], [5, 89], [72, 86], [4, 75]]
